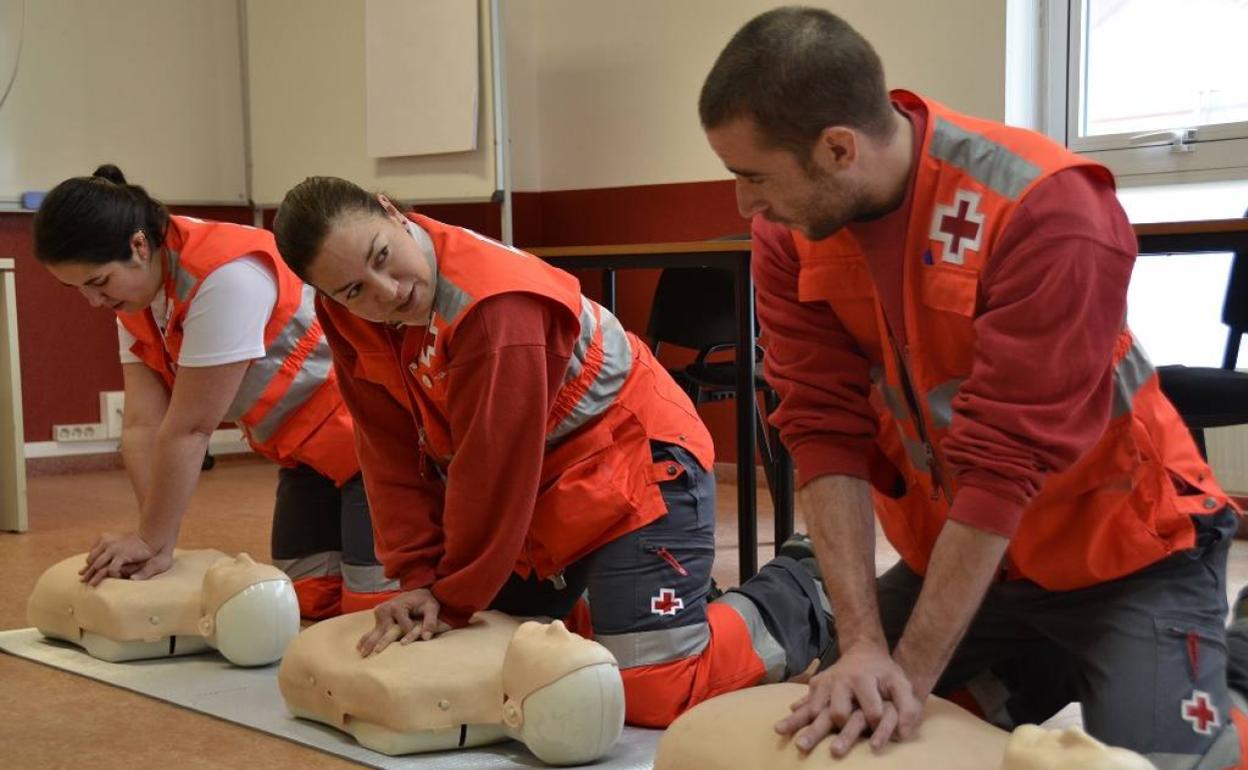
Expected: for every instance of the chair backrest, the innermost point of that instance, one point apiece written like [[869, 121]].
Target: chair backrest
[[694, 307], [1235, 307]]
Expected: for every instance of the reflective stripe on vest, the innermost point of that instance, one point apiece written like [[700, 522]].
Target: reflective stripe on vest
[[313, 371], [601, 351], [602, 338], [649, 648], [312, 374], [940, 402], [896, 403], [183, 281], [989, 163], [1129, 376], [893, 399], [262, 371], [765, 645], [449, 300]]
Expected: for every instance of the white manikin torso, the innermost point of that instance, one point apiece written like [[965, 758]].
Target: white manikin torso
[[494, 679], [737, 730], [205, 600]]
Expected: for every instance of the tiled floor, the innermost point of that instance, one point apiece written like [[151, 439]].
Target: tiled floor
[[52, 719]]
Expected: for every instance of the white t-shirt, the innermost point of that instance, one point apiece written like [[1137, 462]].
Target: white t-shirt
[[225, 322]]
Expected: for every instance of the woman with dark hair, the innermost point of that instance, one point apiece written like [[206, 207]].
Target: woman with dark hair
[[520, 449], [213, 327]]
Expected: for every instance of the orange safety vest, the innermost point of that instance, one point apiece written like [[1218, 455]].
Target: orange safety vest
[[598, 479], [1124, 505], [288, 405]]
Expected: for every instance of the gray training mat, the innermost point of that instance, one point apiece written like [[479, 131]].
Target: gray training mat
[[249, 696]]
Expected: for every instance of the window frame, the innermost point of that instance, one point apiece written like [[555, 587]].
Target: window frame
[[1208, 152]]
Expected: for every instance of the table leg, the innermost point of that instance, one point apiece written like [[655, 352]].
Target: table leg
[[747, 514], [608, 289]]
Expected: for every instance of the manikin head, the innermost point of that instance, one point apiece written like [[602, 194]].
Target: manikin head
[[249, 611], [1035, 748], [563, 696]]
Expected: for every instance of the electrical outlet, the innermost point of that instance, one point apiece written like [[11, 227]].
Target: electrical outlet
[[112, 409], [87, 431]]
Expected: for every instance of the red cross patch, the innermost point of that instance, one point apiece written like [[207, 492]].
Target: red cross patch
[[666, 603], [1202, 714], [958, 226]]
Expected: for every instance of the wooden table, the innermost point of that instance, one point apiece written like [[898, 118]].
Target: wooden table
[[12, 432], [727, 255], [734, 255]]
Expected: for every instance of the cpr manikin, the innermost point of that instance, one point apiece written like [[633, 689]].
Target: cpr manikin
[[246, 611], [736, 730], [496, 678], [1034, 748]]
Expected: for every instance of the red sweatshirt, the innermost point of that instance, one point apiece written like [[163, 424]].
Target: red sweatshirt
[[473, 530], [1052, 301]]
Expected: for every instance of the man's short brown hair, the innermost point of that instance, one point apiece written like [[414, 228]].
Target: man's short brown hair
[[796, 71]]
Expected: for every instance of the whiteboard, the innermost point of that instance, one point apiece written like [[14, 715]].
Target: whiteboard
[[154, 86], [308, 113]]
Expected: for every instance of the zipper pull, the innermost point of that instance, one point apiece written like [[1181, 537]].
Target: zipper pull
[[666, 556]]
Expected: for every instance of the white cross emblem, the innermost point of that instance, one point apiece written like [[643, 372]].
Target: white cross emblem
[[958, 226], [666, 603], [1202, 714]]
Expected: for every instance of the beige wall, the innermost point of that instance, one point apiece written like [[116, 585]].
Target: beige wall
[[617, 83], [601, 93], [154, 86], [520, 51], [307, 107]]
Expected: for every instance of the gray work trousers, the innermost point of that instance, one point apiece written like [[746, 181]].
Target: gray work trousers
[[1145, 654]]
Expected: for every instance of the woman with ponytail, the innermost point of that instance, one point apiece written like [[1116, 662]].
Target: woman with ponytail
[[522, 449], [214, 327]]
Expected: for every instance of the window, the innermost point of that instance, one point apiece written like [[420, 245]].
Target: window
[[1159, 86], [1174, 307]]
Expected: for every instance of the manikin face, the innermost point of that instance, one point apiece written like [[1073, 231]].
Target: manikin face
[[539, 639], [1034, 748], [817, 198], [373, 266], [123, 286]]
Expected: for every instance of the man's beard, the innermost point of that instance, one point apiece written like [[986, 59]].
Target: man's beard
[[836, 205], [824, 228], [856, 208]]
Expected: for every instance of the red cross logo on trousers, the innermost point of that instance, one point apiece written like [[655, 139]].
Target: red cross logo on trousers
[[1200, 712], [666, 603], [958, 226]]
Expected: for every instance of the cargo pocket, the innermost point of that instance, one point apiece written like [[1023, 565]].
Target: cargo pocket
[[1191, 701]]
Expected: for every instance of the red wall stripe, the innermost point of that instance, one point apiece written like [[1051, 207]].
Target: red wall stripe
[[69, 350]]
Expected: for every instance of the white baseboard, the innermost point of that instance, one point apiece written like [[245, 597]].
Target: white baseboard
[[225, 441]]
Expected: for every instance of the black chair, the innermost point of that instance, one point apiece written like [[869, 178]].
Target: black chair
[[694, 308], [1208, 397]]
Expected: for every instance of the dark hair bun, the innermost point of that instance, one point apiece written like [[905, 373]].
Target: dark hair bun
[[111, 173]]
